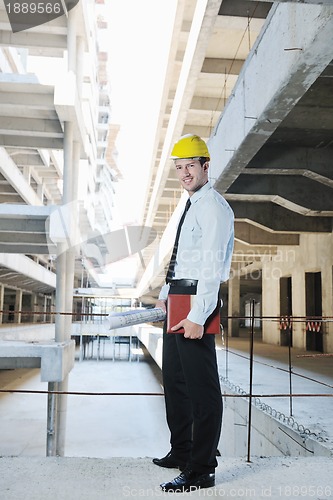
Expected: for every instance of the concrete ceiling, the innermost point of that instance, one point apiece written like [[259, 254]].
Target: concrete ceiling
[[279, 178]]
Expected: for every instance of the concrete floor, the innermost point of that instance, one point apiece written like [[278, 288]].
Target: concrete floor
[[111, 439], [279, 478], [97, 426]]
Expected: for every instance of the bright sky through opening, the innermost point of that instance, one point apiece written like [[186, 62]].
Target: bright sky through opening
[[139, 44]]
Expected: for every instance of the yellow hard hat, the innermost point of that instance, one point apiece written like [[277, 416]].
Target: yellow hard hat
[[190, 146]]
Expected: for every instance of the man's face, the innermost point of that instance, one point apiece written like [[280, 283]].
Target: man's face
[[191, 173]]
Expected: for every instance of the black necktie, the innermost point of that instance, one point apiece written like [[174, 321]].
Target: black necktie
[[171, 269]]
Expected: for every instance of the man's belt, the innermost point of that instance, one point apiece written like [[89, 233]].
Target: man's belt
[[183, 283]]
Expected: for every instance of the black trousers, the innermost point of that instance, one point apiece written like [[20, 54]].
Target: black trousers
[[193, 399]]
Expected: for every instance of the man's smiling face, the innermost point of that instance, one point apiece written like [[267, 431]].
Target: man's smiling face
[[191, 173]]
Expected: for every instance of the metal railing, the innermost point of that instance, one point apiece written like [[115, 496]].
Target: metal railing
[[254, 399]]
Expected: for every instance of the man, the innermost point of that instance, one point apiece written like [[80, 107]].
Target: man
[[200, 262]]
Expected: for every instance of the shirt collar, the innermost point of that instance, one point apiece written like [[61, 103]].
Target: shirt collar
[[200, 193]]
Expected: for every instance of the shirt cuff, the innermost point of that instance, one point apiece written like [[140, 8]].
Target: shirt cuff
[[164, 292], [197, 317], [203, 308]]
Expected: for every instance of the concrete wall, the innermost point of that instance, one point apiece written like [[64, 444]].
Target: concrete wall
[[269, 436], [152, 339], [27, 333], [314, 254]]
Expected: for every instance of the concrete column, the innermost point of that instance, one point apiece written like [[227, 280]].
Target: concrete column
[[53, 308], [27, 173], [71, 40], [79, 65], [45, 309], [66, 257], [40, 191], [69, 197], [327, 305], [18, 306], [2, 295], [57, 404], [56, 419], [61, 271], [34, 307], [60, 295], [270, 304], [299, 307], [233, 305], [64, 271]]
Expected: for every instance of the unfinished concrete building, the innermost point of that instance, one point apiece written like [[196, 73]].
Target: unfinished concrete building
[[254, 79]]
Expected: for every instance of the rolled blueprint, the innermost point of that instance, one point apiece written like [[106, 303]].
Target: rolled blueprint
[[134, 317]]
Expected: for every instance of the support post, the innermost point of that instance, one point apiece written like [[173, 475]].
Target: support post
[[290, 370], [51, 421], [251, 383], [233, 306]]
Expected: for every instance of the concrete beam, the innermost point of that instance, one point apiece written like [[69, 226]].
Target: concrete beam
[[24, 99], [41, 125], [45, 44], [68, 107], [14, 177], [255, 109], [202, 131], [222, 66], [15, 238], [26, 83], [24, 266], [243, 8], [56, 359], [28, 117], [254, 235], [245, 253], [26, 212], [201, 118], [315, 2], [300, 194], [10, 198], [277, 218], [26, 141], [207, 103], [31, 127], [26, 248], [315, 160]]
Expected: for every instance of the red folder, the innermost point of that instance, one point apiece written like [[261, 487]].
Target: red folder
[[178, 308]]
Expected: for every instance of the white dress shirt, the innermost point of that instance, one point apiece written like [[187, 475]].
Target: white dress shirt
[[205, 250]]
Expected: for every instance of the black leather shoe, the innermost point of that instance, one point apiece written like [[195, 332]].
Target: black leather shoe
[[189, 480], [169, 462]]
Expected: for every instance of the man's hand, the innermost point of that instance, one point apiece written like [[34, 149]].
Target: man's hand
[[192, 330], [161, 305]]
